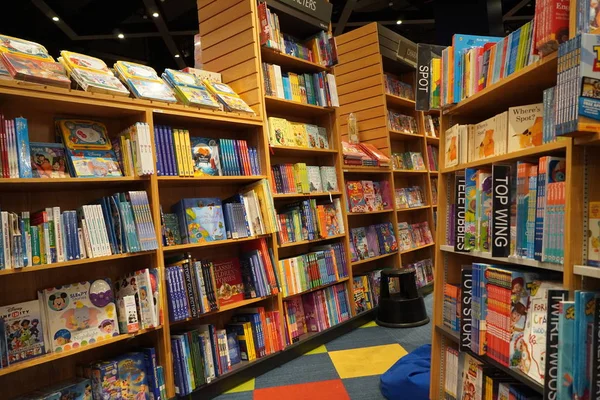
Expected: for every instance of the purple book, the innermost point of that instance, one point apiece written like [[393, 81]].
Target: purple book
[[450, 232], [372, 242]]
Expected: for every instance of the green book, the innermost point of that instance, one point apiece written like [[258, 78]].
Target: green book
[[35, 245]]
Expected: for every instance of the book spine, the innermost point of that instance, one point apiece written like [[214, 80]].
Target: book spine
[[159, 152], [59, 231], [466, 296]]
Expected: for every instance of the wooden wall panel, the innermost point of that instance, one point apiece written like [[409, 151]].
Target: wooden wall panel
[[351, 87], [355, 34], [359, 43], [359, 64], [362, 94], [354, 76], [358, 53]]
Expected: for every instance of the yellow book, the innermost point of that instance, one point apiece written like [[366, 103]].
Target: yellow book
[[305, 182], [125, 154], [249, 341], [42, 237], [300, 135], [263, 192], [278, 127], [188, 153], [295, 87], [177, 143]]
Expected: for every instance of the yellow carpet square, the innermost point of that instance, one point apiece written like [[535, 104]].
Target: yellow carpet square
[[244, 387], [369, 324], [317, 350], [366, 361]]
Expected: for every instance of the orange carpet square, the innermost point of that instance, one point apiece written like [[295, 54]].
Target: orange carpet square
[[324, 390]]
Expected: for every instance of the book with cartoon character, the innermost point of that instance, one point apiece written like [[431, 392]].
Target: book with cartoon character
[[132, 375], [79, 314], [228, 277], [48, 160], [200, 220], [594, 234], [23, 332], [205, 155], [525, 125], [470, 206], [279, 132], [485, 139], [359, 238], [356, 199], [452, 147], [483, 209]]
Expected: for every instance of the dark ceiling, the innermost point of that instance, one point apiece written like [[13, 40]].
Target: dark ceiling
[[92, 26]]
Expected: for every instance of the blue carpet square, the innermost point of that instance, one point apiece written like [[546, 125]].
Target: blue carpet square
[[363, 388], [305, 369], [365, 337]]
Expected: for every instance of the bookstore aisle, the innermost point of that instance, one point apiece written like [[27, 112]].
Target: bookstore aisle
[[348, 367]]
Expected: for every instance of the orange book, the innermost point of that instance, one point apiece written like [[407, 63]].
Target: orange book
[[322, 221]]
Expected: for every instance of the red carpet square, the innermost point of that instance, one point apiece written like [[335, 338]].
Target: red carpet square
[[324, 390]]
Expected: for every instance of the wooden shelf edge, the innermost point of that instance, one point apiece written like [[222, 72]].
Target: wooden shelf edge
[[587, 270], [294, 195], [417, 248], [297, 104], [367, 260], [210, 178], [371, 212], [291, 60], [409, 171], [341, 280], [365, 170], [302, 242], [185, 247], [307, 150], [227, 307], [412, 208]]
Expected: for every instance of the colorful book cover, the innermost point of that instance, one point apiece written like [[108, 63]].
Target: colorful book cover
[[94, 163], [359, 239], [372, 241], [23, 331], [470, 208], [405, 238], [387, 239], [584, 319], [401, 199], [314, 179], [329, 179], [228, 277], [48, 160], [80, 313], [36, 70], [205, 156], [200, 220], [132, 373], [369, 195], [525, 127], [323, 142], [483, 213], [278, 132], [566, 354], [484, 139], [313, 135], [471, 378], [356, 198], [172, 236], [594, 234], [452, 147]]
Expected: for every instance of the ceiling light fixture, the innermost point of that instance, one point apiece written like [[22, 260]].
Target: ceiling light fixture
[[55, 19], [155, 15], [121, 36], [399, 22], [176, 55]]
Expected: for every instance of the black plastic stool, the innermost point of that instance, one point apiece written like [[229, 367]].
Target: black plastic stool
[[404, 309]]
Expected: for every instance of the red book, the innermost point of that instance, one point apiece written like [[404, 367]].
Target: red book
[[228, 277], [3, 148], [264, 23]]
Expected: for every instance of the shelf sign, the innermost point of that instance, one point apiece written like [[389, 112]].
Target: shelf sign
[[407, 51], [459, 220], [319, 9], [425, 53], [500, 210]]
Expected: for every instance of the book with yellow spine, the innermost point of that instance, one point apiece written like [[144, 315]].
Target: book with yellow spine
[[188, 153], [177, 146]]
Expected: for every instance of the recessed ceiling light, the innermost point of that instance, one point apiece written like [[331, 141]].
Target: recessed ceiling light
[[155, 15], [55, 19], [399, 22], [121, 36], [176, 55]]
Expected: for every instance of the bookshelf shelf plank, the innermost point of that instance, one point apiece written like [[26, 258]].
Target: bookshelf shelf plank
[[409, 172], [273, 56], [417, 248], [532, 152], [370, 212], [397, 135], [412, 208], [494, 99], [174, 181], [227, 307], [293, 108], [359, 262], [191, 246], [303, 242], [28, 184], [587, 270], [66, 264], [525, 262], [304, 195], [366, 170], [397, 101], [342, 280], [50, 357], [300, 151], [432, 140]]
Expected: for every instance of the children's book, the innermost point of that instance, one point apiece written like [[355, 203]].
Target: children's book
[[470, 207], [172, 234], [43, 71], [405, 238], [323, 142], [278, 132], [132, 374], [525, 125], [313, 135], [82, 134], [483, 212], [401, 199], [387, 239], [228, 97], [144, 82], [356, 197], [190, 89], [359, 239], [205, 155], [91, 74], [314, 179], [566, 354], [80, 314], [484, 139], [48, 160], [228, 277], [300, 134], [471, 377], [200, 220], [594, 234], [329, 179], [452, 147], [93, 163], [23, 331]]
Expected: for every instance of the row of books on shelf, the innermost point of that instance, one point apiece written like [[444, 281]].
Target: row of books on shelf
[[408, 161], [322, 266], [117, 224], [316, 311], [398, 88], [307, 220], [415, 235], [523, 320], [209, 219], [363, 154], [468, 377], [410, 197], [296, 134], [433, 157], [368, 196], [317, 89], [402, 123], [29, 61], [207, 352], [513, 130], [133, 372], [432, 126], [302, 178], [66, 317], [423, 271], [527, 223], [179, 154], [372, 241], [319, 49], [365, 289], [434, 192]]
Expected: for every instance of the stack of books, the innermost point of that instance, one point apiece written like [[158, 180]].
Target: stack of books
[[433, 156], [423, 271], [366, 291], [144, 82], [318, 89], [402, 123], [179, 154], [368, 196], [364, 154], [372, 241], [308, 220], [410, 197], [432, 126], [296, 134], [316, 311], [414, 235], [138, 298], [133, 150], [302, 178], [408, 161], [190, 90], [398, 88], [91, 74], [311, 270], [451, 309], [434, 193], [118, 224]]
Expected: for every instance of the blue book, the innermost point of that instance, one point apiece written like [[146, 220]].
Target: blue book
[[566, 350], [23, 150], [287, 87], [215, 349], [104, 203], [75, 236], [170, 299], [584, 318], [200, 220], [177, 372], [151, 371], [158, 150], [168, 143], [234, 348], [183, 294], [188, 364], [540, 207], [514, 51], [509, 39]]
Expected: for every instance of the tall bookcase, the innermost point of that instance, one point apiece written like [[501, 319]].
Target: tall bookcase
[[523, 87], [366, 56]]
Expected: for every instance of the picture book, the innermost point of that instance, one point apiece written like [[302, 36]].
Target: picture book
[[105, 380], [133, 376], [189, 89], [359, 239], [172, 235], [79, 314], [43, 71], [369, 195], [228, 277], [356, 199], [48, 160], [452, 147], [312, 132], [525, 125], [470, 207], [278, 132], [484, 139], [23, 331], [483, 211], [372, 241], [405, 240], [205, 156], [471, 377], [12, 45], [228, 97], [91, 74], [83, 134], [144, 82], [200, 220], [323, 141], [566, 355], [329, 179], [314, 179], [93, 163], [387, 239], [300, 134], [594, 234]]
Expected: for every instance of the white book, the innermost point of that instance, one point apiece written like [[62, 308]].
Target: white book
[[47, 242], [12, 150], [58, 234], [335, 102], [249, 216], [92, 231], [485, 139], [279, 82], [6, 241], [96, 211], [500, 134], [104, 230], [147, 308], [149, 153], [44, 316], [525, 124], [83, 236]]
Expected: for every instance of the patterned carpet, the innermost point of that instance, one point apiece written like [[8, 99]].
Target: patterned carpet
[[348, 367]]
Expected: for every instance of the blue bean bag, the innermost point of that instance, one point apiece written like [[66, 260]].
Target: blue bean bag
[[409, 377]]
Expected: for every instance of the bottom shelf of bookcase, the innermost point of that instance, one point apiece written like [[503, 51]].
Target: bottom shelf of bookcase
[[513, 373], [250, 369]]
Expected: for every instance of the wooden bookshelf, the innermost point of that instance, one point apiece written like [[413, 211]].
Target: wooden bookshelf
[[273, 56]]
